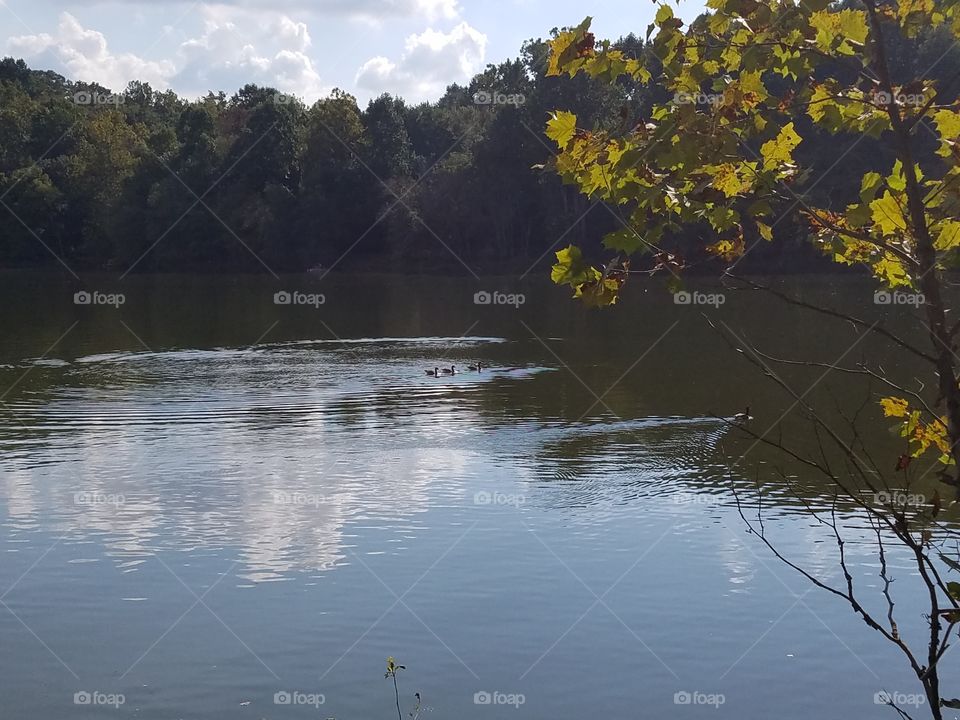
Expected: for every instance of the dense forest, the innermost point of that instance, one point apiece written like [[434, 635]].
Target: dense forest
[[149, 181]]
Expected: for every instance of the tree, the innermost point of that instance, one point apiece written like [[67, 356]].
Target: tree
[[390, 151], [746, 81], [337, 193], [107, 156]]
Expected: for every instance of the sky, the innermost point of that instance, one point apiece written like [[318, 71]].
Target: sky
[[410, 48]]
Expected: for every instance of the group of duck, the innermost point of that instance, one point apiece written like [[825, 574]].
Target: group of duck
[[452, 370]]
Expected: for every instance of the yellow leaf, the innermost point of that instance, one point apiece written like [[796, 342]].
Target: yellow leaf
[[779, 151], [729, 250], [853, 24], [886, 213], [948, 123], [949, 236], [558, 46], [601, 293], [561, 127], [894, 407], [572, 269], [727, 181], [891, 271]]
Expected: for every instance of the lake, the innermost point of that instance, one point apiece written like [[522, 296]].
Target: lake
[[217, 501]]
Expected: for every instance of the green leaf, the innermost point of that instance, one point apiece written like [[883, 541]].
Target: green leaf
[[896, 180], [565, 50], [890, 269], [600, 293], [869, 186], [561, 127], [664, 13], [779, 151], [853, 25], [886, 213], [948, 123], [727, 180], [837, 30], [625, 241], [721, 217], [571, 269], [948, 237]]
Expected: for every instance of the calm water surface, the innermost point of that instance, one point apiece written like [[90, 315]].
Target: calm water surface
[[207, 499]]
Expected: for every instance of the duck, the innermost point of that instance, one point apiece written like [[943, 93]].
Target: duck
[[743, 417], [451, 371], [478, 367], [433, 373]]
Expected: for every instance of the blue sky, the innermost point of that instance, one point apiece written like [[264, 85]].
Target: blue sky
[[413, 48]]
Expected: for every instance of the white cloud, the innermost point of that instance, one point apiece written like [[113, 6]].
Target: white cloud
[[293, 32], [85, 56], [30, 45], [366, 9], [439, 8], [243, 47], [239, 45], [430, 61], [376, 9], [236, 47]]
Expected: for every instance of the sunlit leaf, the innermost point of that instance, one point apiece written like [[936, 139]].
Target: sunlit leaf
[[571, 268], [561, 127], [886, 213], [894, 407], [948, 236], [779, 151]]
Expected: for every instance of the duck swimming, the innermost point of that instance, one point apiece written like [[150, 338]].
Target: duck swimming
[[478, 367], [433, 373], [451, 371]]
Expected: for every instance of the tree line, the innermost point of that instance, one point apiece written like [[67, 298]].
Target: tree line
[[144, 180]]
